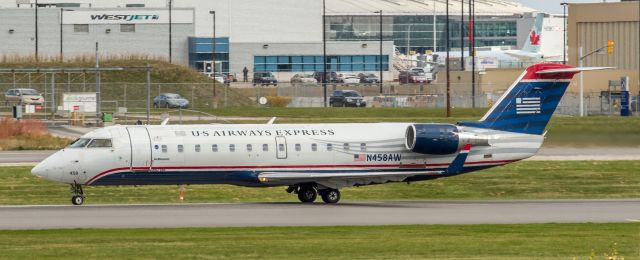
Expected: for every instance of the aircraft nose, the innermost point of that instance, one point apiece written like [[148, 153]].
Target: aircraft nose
[[40, 170]]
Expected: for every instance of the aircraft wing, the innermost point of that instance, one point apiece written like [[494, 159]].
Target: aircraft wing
[[344, 179], [341, 179]]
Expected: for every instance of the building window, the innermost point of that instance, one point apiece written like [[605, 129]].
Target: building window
[[346, 63], [214, 148], [180, 148], [125, 28], [329, 147], [314, 147], [265, 147], [164, 148], [249, 148], [232, 148], [197, 148], [81, 28], [298, 147]]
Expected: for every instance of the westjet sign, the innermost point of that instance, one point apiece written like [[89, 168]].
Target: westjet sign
[[124, 17], [153, 16]]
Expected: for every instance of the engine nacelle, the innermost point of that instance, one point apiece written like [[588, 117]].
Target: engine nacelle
[[436, 139]]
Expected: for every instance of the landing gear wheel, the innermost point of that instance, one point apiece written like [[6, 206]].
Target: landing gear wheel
[[77, 200], [78, 194], [307, 194], [330, 196]]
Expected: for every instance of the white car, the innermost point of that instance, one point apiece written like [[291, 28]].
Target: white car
[[349, 78], [25, 96]]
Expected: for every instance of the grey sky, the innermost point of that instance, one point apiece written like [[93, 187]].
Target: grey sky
[[553, 6]]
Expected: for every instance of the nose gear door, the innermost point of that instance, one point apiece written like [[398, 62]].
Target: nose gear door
[[141, 152]]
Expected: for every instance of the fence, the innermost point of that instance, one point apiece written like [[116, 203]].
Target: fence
[[133, 96]]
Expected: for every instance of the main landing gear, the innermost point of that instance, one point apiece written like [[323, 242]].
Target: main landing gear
[[308, 193], [78, 194]]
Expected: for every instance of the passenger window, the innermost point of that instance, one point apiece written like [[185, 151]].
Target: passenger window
[[197, 148], [249, 148], [214, 148], [164, 148], [329, 147], [346, 146], [180, 148], [265, 147], [232, 148], [314, 147], [100, 143], [281, 147], [298, 147], [363, 147]]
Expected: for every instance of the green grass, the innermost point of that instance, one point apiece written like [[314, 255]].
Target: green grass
[[535, 241], [522, 180]]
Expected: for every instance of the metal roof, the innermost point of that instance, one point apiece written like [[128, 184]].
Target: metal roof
[[414, 7]]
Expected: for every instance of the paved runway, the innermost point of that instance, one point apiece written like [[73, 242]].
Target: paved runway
[[296, 214]]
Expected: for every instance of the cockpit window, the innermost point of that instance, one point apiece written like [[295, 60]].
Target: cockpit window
[[100, 143], [79, 143]]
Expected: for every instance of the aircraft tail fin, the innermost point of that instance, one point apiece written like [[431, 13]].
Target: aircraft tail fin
[[532, 44], [527, 106]]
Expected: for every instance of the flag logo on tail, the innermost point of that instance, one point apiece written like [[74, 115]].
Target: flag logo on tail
[[528, 106], [359, 158]]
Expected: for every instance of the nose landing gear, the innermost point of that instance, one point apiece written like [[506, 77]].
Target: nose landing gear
[[78, 194]]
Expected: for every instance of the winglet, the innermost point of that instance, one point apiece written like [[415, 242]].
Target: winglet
[[458, 163], [273, 119], [165, 121]]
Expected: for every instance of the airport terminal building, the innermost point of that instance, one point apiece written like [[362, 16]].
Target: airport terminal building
[[281, 36]]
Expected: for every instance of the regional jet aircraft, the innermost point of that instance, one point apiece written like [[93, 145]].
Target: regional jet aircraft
[[312, 159]]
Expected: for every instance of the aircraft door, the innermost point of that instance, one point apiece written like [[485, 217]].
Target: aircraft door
[[281, 147], [140, 148]]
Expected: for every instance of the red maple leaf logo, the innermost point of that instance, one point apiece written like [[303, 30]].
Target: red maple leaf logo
[[534, 38]]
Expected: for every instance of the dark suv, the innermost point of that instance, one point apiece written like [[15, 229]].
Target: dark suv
[[346, 98], [332, 77], [264, 79]]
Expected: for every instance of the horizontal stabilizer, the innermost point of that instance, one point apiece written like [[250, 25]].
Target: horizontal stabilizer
[[572, 70]]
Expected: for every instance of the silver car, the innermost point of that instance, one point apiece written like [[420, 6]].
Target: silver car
[[25, 96], [170, 100]]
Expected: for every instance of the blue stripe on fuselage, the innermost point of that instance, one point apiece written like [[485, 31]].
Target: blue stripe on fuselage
[[240, 178]]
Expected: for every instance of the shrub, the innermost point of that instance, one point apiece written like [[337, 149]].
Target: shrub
[[278, 101]]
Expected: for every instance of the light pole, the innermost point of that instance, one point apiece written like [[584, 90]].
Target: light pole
[[380, 59], [462, 35], [36, 38], [324, 52], [564, 33], [170, 33], [61, 20], [447, 44], [434, 27], [409, 39], [472, 50], [213, 54]]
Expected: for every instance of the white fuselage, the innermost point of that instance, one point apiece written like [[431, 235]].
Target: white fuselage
[[236, 154]]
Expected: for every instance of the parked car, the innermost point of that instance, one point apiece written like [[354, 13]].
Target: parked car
[[368, 78], [347, 98], [24, 96], [222, 78], [412, 76], [303, 79], [170, 100], [332, 77], [348, 78], [264, 79]]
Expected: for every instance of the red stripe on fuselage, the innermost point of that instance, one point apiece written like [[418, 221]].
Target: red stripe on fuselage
[[399, 166]]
